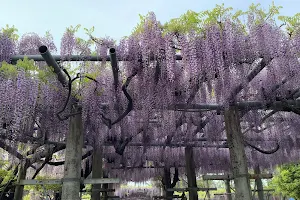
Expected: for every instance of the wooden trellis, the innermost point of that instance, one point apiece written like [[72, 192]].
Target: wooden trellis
[[232, 125]]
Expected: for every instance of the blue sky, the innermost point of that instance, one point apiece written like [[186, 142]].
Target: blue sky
[[110, 18]]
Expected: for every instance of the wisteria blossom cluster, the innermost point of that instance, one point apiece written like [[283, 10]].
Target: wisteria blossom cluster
[[222, 65]]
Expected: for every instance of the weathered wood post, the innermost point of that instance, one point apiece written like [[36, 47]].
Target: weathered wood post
[[105, 185], [207, 192], [258, 182], [167, 183], [237, 154], [72, 168], [191, 174], [97, 172], [74, 139], [111, 187], [21, 176], [228, 190]]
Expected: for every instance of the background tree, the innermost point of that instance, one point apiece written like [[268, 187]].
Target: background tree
[[287, 180]]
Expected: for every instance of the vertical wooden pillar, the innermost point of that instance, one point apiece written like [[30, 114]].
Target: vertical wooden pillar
[[191, 174], [105, 186], [237, 154], [72, 168], [167, 183], [258, 182], [111, 186], [97, 172], [21, 176], [228, 190], [208, 193]]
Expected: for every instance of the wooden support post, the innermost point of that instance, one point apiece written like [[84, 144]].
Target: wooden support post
[[228, 190], [207, 192], [111, 189], [191, 174], [21, 175], [237, 154], [97, 172], [167, 183], [258, 182], [72, 168], [105, 186]]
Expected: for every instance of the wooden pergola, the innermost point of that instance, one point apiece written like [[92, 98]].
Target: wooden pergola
[[232, 113]]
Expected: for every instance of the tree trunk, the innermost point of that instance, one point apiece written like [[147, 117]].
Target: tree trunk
[[191, 174], [97, 172], [72, 170], [237, 154]]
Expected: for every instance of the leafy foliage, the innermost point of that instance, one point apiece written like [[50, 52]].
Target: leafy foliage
[[29, 67], [287, 180], [11, 32], [49, 190], [196, 21]]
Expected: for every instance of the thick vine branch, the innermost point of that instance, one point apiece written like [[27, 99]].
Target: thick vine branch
[[108, 121], [89, 153], [47, 159], [69, 94], [260, 66], [175, 178], [264, 151]]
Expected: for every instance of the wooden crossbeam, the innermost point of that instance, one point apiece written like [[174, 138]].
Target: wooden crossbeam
[[188, 189], [230, 176], [164, 197], [265, 190], [110, 197], [60, 181], [221, 194], [100, 190]]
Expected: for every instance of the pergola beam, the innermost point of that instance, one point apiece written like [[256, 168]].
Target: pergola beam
[[60, 181], [245, 105], [69, 58], [230, 176], [190, 189], [173, 145]]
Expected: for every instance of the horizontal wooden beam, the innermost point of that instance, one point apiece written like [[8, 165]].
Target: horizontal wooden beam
[[189, 189], [245, 105], [265, 190], [222, 194], [172, 145], [110, 197], [101, 180], [145, 167], [15, 58], [100, 190], [230, 177], [164, 197], [60, 181]]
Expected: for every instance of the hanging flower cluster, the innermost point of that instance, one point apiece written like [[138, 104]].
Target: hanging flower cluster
[[135, 103]]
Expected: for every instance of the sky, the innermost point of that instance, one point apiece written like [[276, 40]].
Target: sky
[[113, 18]]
